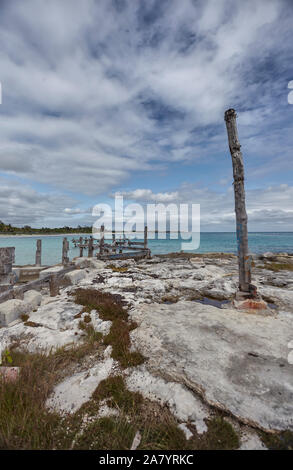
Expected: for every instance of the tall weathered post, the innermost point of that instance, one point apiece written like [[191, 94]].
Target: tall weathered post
[[102, 240], [65, 249], [80, 247], [113, 242], [39, 253], [145, 239], [240, 209], [90, 247]]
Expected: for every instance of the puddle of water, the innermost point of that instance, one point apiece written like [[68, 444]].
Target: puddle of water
[[272, 306], [213, 302]]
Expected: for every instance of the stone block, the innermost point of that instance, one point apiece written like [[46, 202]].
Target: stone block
[[51, 270], [11, 310], [75, 276], [33, 299]]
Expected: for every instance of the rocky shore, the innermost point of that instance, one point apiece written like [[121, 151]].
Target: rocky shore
[[202, 356]]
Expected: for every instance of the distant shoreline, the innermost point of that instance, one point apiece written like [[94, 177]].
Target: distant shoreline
[[3, 235]]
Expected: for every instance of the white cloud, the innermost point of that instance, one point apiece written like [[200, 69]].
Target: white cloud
[[268, 208], [94, 93], [146, 195], [75, 90]]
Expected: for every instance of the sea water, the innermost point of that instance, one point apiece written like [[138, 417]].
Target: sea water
[[225, 242]]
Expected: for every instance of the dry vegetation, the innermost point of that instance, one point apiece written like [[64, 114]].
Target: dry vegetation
[[276, 267], [111, 308], [26, 423]]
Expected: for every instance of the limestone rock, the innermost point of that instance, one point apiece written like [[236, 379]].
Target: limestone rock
[[11, 310], [52, 270], [75, 276], [69, 395], [33, 299], [236, 361]]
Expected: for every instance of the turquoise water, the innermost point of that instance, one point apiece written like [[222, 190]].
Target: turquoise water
[[209, 242]]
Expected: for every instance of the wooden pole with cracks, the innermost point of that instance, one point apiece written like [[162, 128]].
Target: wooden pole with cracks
[[244, 261]]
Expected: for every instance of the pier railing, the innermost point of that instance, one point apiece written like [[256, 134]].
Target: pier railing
[[119, 248]]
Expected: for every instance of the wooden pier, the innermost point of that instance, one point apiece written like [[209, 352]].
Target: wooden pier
[[118, 248]]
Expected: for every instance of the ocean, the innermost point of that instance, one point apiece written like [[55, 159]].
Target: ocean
[[225, 242]]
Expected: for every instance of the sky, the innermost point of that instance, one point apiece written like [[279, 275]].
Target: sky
[[128, 96]]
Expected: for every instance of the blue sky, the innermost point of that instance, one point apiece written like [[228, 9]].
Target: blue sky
[[129, 96]]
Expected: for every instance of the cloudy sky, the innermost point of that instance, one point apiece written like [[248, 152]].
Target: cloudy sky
[[128, 96]]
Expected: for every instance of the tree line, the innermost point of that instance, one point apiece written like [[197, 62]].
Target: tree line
[[28, 230]]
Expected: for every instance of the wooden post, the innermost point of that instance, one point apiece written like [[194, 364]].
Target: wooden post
[[39, 253], [54, 285], [102, 240], [80, 247], [90, 247], [239, 192], [65, 248], [145, 241], [113, 242]]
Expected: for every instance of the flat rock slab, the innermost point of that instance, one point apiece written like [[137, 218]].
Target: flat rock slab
[[51, 270], [235, 360], [69, 395], [183, 403]]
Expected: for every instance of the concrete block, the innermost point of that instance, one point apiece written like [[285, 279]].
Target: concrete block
[[82, 262], [75, 276], [97, 264], [51, 270], [11, 310], [85, 262], [33, 299]]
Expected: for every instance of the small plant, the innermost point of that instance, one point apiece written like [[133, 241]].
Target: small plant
[[170, 299], [117, 269], [24, 317], [87, 319], [32, 324], [6, 357]]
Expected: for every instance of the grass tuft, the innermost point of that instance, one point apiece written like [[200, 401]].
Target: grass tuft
[[117, 269], [24, 317], [114, 390], [279, 441], [219, 436], [276, 267], [110, 307], [119, 339], [106, 433], [163, 436]]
